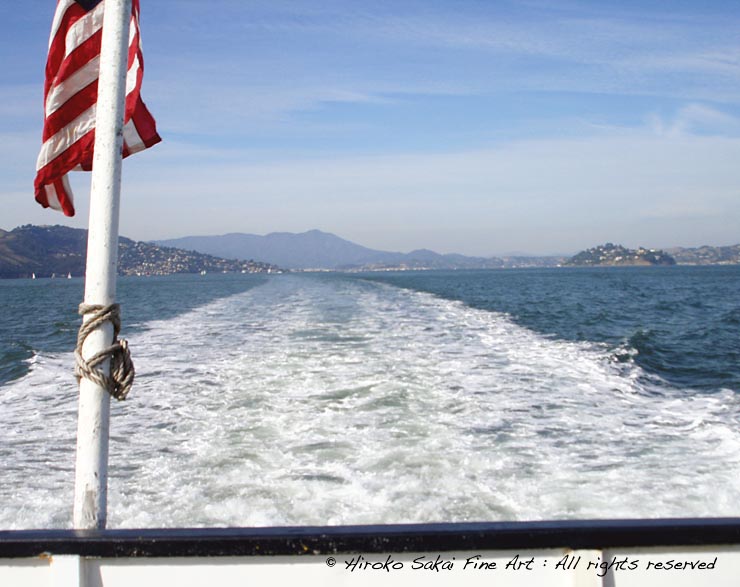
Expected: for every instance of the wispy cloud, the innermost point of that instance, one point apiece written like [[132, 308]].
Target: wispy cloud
[[507, 125], [279, 60], [697, 119]]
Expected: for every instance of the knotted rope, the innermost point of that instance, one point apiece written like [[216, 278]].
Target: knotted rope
[[121, 377]]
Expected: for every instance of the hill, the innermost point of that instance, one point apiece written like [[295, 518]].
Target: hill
[[706, 255], [611, 254], [321, 250], [60, 250]]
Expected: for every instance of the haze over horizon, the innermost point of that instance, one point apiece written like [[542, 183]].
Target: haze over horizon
[[510, 253], [480, 128]]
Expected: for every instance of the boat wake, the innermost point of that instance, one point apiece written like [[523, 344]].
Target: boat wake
[[330, 400]]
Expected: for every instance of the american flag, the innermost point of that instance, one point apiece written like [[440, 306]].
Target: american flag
[[70, 95]]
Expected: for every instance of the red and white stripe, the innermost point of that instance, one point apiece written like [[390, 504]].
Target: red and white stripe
[[70, 95]]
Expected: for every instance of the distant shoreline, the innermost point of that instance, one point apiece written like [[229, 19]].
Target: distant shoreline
[[45, 250]]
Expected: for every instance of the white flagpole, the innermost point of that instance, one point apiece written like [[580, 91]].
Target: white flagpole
[[91, 475]]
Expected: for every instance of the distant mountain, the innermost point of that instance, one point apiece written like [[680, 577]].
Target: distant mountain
[[611, 254], [321, 250], [60, 250], [312, 249]]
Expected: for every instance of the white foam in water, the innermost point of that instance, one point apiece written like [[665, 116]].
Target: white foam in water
[[328, 401]]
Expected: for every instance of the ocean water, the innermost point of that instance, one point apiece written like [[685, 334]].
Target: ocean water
[[385, 398]]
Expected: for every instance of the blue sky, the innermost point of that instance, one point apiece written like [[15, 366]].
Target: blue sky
[[479, 127]]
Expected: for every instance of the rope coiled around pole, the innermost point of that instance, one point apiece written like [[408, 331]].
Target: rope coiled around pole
[[121, 377]]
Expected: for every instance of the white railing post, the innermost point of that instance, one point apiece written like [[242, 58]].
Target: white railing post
[[67, 570], [91, 476]]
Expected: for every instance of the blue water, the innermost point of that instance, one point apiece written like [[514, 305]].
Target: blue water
[[387, 397], [41, 316], [681, 323]]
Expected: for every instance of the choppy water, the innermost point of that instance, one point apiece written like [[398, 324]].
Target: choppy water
[[331, 399]]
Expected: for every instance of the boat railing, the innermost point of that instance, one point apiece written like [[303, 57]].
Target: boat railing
[[583, 553]]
